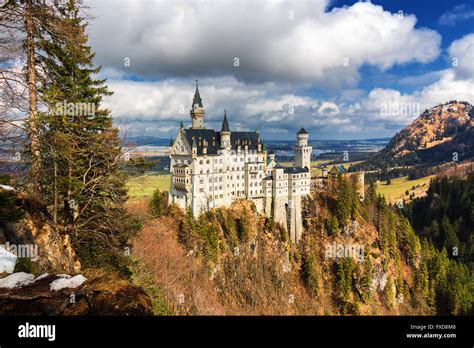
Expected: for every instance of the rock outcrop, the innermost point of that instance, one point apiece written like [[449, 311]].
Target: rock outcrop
[[102, 294]]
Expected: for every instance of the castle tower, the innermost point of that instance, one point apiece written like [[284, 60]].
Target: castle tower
[[225, 133], [197, 111], [302, 150]]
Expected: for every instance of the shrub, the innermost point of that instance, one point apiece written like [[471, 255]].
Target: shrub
[[332, 225], [24, 264], [310, 274], [158, 203], [10, 210]]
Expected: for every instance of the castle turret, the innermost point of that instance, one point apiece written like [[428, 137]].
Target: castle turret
[[302, 150], [194, 148], [197, 110], [271, 155], [225, 133]]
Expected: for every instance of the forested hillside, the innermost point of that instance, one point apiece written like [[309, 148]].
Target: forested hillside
[[446, 216], [234, 261], [66, 195]]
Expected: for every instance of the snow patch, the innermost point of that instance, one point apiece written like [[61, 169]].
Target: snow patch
[[62, 283], [16, 279], [7, 261], [7, 188], [44, 275]]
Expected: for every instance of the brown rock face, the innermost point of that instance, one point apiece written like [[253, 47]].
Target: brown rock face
[[101, 295], [53, 249]]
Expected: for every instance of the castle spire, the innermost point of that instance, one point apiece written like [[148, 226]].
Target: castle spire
[[197, 97], [197, 111], [225, 124]]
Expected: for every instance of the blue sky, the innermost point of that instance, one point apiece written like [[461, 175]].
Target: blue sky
[[343, 69]]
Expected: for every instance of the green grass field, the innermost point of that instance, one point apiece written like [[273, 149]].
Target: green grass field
[[396, 191], [145, 185]]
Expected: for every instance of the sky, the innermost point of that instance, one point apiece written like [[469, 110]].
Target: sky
[[341, 69]]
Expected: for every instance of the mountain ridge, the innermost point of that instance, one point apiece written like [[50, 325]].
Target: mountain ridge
[[440, 134]]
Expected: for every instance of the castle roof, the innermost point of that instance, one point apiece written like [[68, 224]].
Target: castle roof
[[302, 131], [213, 140], [339, 169], [225, 124], [251, 139], [197, 97], [295, 170], [292, 170]]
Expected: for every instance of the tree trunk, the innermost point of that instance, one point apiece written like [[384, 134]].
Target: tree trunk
[[33, 126], [55, 213]]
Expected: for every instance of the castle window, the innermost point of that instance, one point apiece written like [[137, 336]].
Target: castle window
[[200, 161]]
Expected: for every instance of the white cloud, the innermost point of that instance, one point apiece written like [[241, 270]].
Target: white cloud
[[456, 83], [282, 61], [374, 107], [165, 39], [457, 14], [328, 108], [462, 54], [159, 106]]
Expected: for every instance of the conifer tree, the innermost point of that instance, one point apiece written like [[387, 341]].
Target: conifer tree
[[343, 201], [81, 147], [450, 238]]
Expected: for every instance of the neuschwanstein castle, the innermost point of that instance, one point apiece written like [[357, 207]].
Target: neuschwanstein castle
[[211, 169]]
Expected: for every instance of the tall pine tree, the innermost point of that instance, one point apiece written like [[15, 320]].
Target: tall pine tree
[[83, 185]]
